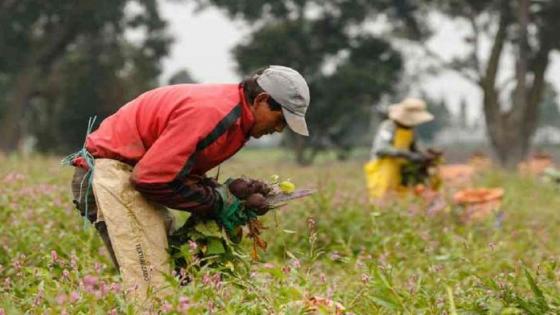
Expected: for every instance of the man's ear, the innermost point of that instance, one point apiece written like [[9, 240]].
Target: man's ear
[[262, 97]]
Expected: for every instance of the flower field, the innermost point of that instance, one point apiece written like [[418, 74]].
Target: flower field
[[332, 253]]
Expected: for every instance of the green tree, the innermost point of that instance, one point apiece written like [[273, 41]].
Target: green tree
[[62, 61], [181, 76], [511, 121], [347, 66]]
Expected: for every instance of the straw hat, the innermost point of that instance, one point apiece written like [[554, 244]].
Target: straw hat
[[410, 112]]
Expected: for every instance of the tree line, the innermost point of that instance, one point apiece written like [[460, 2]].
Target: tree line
[[62, 61]]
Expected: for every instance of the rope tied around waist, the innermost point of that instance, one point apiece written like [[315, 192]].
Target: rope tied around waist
[[89, 159]]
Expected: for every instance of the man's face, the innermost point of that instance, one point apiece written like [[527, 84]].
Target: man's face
[[267, 121]]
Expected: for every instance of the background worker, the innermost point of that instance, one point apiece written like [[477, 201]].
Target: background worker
[[394, 145], [153, 154]]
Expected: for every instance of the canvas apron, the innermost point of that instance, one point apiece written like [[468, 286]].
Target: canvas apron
[[137, 230]]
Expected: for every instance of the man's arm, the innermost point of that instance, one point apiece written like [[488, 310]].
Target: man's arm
[[383, 143], [163, 175]]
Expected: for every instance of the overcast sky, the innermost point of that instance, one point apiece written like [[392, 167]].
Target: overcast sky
[[203, 42]]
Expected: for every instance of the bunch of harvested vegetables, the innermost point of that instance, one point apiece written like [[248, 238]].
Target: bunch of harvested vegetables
[[214, 241], [423, 173]]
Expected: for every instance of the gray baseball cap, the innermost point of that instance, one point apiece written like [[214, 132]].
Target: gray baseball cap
[[289, 89]]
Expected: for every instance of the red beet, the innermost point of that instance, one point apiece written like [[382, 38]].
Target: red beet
[[257, 186], [257, 202], [240, 188]]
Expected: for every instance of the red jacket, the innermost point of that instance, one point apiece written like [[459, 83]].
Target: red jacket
[[172, 136]]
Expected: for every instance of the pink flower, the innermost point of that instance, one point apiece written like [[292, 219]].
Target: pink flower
[[268, 265], [13, 177], [166, 307], [74, 296], [115, 287], [90, 281], [74, 262], [16, 264], [335, 256], [217, 280], [60, 299], [98, 294], [97, 267], [2, 312], [365, 278], [66, 274], [206, 279], [39, 297], [113, 312], [311, 223], [54, 256], [183, 304], [104, 288], [295, 263], [192, 246]]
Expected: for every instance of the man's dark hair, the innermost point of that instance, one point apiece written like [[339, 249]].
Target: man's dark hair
[[251, 89]]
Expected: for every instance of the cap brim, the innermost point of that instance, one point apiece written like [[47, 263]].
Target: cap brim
[[296, 123]]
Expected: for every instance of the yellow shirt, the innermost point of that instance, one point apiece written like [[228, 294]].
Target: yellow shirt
[[383, 174]]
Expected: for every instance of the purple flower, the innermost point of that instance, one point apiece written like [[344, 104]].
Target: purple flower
[[54, 256]]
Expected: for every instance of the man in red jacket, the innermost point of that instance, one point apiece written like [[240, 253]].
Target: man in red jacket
[[153, 154]]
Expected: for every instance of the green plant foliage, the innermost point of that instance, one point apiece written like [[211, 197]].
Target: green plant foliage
[[334, 245]]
